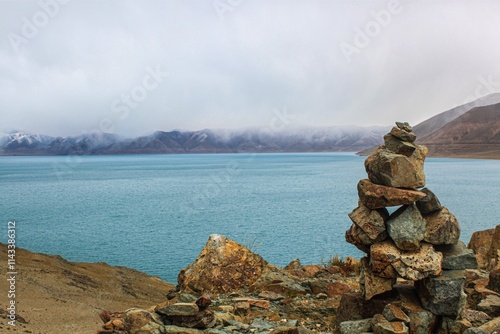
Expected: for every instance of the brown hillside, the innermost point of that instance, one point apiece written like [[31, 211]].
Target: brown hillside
[[57, 296], [475, 134]]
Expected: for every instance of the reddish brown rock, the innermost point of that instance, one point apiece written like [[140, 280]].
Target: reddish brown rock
[[480, 242], [407, 136], [382, 256], [394, 313], [135, 319], [376, 196], [442, 228], [356, 236], [372, 285], [372, 222]]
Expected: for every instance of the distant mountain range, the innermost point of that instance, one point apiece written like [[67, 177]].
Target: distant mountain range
[[471, 130], [305, 139]]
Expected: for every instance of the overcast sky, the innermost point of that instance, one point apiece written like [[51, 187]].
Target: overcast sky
[[133, 67]]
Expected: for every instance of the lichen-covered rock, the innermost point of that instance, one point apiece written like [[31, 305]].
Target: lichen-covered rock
[[376, 196], [372, 222], [222, 266], [417, 265], [480, 243], [372, 285], [179, 309], [407, 227], [382, 256], [443, 295], [356, 236], [457, 257], [395, 170], [494, 281], [429, 203], [442, 228], [490, 305]]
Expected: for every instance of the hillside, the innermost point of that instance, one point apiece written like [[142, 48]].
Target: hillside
[[57, 296], [475, 134]]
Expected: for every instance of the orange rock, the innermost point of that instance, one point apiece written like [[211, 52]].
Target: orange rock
[[337, 289]]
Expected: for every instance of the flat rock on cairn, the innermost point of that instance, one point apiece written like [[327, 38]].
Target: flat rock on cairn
[[417, 244]]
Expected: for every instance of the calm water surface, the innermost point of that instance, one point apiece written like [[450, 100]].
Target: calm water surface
[[155, 212]]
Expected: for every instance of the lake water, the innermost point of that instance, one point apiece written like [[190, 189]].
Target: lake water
[[155, 212]]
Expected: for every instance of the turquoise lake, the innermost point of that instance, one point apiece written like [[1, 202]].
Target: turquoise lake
[[154, 213]]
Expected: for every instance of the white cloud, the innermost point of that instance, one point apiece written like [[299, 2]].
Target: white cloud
[[234, 72]]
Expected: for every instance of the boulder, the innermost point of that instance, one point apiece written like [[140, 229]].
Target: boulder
[[407, 136], [494, 248], [476, 318], [422, 321], [452, 326], [136, 319], [494, 281], [457, 257], [222, 266], [395, 170], [389, 262], [429, 203], [372, 222], [398, 146], [398, 327], [480, 243], [417, 265], [443, 295], [376, 196], [475, 330], [382, 256], [442, 228], [407, 227], [372, 285], [394, 313], [490, 305], [353, 306], [178, 309], [355, 326], [356, 236]]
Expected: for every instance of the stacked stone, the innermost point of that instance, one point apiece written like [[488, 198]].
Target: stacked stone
[[419, 241]]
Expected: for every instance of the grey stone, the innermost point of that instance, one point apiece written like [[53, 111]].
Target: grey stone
[[395, 170], [355, 327], [398, 146], [403, 135], [407, 228], [442, 228], [443, 295], [181, 330], [429, 203], [475, 330], [179, 309], [457, 257], [405, 126], [490, 305]]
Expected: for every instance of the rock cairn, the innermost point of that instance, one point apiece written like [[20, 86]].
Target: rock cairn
[[416, 246]]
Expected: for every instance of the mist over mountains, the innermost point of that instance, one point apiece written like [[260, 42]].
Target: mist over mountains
[[469, 130], [253, 140]]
